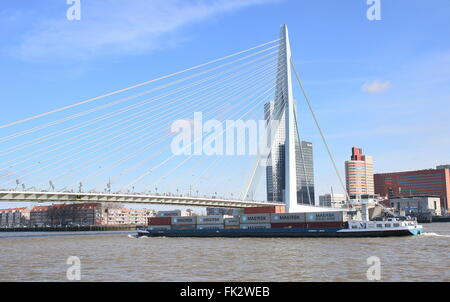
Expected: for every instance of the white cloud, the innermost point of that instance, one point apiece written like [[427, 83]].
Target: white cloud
[[376, 87], [121, 26]]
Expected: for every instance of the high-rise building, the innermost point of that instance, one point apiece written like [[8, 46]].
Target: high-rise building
[[289, 168], [333, 200], [434, 182], [275, 170], [359, 174], [443, 167], [305, 173]]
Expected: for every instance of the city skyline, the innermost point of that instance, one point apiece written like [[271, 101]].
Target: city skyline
[[364, 95], [211, 145]]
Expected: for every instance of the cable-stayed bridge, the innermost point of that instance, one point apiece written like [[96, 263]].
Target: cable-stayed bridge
[[15, 196], [167, 140]]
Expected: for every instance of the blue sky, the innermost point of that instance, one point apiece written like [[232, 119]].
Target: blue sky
[[379, 85]]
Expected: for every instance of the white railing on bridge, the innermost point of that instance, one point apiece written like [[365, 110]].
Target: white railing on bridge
[[41, 197]]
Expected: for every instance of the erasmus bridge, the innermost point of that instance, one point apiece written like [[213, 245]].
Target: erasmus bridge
[[119, 146]]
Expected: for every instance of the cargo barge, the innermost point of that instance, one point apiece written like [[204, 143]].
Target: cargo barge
[[318, 224]]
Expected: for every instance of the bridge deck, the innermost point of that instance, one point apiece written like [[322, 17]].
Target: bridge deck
[[17, 196]]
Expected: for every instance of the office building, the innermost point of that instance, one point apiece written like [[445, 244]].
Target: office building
[[305, 173], [432, 182], [334, 200], [275, 169], [359, 174], [443, 167], [417, 205]]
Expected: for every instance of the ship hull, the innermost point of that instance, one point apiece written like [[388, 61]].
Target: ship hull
[[282, 233]]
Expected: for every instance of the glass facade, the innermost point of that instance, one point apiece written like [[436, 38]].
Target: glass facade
[[275, 169]]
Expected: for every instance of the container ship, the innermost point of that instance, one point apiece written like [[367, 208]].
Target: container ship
[[274, 222]]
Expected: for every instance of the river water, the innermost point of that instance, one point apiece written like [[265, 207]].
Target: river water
[[120, 257]]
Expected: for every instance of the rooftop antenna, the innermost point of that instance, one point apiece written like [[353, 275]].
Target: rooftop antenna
[[17, 184], [80, 187]]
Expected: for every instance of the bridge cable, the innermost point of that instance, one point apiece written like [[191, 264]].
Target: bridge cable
[[319, 128], [97, 119], [132, 87], [114, 124], [65, 158]]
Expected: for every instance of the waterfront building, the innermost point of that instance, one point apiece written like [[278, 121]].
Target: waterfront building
[[305, 172], [87, 214], [173, 213], [78, 214], [275, 169], [443, 167], [114, 216], [223, 211], [359, 174], [16, 217], [39, 216], [432, 182], [417, 205], [334, 200]]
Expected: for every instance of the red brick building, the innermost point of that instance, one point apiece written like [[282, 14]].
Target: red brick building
[[433, 182]]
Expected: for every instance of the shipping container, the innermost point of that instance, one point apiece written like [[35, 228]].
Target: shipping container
[[184, 227], [159, 227], [174, 213], [255, 218], [265, 210], [326, 224], [210, 227], [288, 217], [212, 219], [324, 216], [255, 226], [186, 220], [231, 227], [231, 221], [159, 221], [288, 225]]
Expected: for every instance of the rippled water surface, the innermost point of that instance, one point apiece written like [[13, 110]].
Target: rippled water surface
[[120, 257]]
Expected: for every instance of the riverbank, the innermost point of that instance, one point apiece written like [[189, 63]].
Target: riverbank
[[94, 228], [433, 219]]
